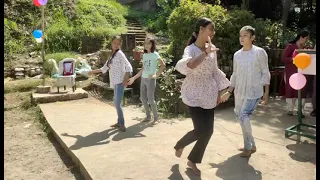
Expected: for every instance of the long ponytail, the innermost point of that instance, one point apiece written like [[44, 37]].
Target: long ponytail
[[193, 38], [110, 60], [115, 52]]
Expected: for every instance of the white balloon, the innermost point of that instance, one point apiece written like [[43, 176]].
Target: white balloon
[[39, 40]]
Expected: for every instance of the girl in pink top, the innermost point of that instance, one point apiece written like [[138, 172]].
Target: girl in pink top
[[200, 89]]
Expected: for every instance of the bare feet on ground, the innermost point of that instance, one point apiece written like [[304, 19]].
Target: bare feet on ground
[[179, 152], [194, 168]]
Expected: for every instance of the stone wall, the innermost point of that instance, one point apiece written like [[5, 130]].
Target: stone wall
[[22, 72]]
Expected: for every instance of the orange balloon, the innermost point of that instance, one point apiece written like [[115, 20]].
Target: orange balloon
[[302, 60]]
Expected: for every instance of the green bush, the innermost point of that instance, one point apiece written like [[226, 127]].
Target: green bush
[[168, 95], [13, 39], [87, 28], [181, 23], [228, 23], [156, 22], [83, 27]]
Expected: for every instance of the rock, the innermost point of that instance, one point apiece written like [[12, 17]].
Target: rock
[[18, 69], [91, 54], [26, 70], [37, 77], [43, 89], [19, 77], [32, 54], [94, 59], [19, 74], [27, 126], [38, 70], [32, 72]]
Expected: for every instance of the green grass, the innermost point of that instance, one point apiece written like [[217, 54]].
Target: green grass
[[23, 85], [61, 55]]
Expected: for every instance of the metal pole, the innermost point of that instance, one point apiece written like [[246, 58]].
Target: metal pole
[[299, 109], [42, 51]]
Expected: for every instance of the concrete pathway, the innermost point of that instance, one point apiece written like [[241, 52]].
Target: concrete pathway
[[146, 153]]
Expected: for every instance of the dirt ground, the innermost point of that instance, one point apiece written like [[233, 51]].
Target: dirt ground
[[28, 152]]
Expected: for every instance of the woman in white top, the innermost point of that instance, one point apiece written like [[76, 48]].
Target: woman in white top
[[200, 89], [119, 73], [250, 74]]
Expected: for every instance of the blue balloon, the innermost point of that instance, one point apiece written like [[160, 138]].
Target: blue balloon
[[37, 33]]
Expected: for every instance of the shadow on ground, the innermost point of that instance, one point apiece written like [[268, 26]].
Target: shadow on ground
[[101, 138], [176, 174], [96, 138], [133, 131], [235, 168], [303, 151]]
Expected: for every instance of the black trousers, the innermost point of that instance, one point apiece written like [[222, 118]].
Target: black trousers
[[203, 128]]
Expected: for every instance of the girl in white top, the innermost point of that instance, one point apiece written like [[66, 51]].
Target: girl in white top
[[250, 74], [200, 89], [119, 73]]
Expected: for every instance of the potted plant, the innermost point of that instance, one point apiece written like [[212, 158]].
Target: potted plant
[[137, 53]]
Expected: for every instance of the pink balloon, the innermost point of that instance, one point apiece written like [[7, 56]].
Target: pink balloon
[[43, 2], [297, 81]]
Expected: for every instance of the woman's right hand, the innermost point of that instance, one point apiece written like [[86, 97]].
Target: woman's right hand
[[211, 48]]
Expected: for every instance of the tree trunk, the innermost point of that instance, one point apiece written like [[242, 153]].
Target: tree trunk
[[285, 12]]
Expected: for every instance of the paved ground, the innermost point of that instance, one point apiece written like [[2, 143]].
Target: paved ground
[[146, 153]]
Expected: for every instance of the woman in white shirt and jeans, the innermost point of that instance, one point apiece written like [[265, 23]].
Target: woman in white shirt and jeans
[[119, 73], [250, 74], [200, 89]]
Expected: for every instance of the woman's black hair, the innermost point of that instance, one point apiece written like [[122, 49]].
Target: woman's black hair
[[153, 45], [303, 33], [203, 22], [115, 52]]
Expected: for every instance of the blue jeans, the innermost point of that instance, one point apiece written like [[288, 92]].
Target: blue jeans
[[243, 109], [118, 95]]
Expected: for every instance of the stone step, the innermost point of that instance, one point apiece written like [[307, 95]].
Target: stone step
[[134, 24], [140, 39], [135, 28], [62, 96], [136, 31], [141, 36], [139, 43]]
